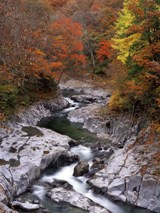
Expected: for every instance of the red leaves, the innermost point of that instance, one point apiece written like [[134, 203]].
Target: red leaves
[[104, 51]]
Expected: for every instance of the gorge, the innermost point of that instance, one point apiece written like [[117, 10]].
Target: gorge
[[36, 148]]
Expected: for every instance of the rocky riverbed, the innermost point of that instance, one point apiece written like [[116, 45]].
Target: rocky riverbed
[[132, 172], [125, 170]]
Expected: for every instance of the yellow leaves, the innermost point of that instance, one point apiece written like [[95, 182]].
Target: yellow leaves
[[118, 102], [9, 88], [124, 45], [125, 20], [122, 40]]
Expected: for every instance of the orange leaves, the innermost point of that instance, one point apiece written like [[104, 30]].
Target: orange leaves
[[66, 27], [67, 45], [104, 51], [136, 8], [39, 52], [148, 57], [57, 65], [64, 49], [6, 75], [134, 88], [79, 57], [57, 3]]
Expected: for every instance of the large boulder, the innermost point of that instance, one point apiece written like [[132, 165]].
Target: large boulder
[[26, 152], [65, 159], [86, 99], [80, 169], [72, 197], [75, 199], [26, 206]]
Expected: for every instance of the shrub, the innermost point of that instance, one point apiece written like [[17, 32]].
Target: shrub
[[8, 98]]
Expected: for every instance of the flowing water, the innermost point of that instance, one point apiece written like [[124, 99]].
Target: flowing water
[[60, 124], [79, 184]]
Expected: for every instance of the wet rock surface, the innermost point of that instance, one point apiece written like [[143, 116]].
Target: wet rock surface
[[75, 199], [66, 159], [87, 99], [81, 168], [26, 150], [122, 179]]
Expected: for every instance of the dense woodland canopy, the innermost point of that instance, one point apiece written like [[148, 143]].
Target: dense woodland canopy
[[42, 39]]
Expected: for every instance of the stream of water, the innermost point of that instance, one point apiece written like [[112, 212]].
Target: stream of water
[[60, 124]]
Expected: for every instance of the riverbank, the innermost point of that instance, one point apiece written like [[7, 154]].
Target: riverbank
[[132, 172], [26, 150]]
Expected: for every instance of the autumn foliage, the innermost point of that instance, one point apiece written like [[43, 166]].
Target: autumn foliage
[[137, 41], [104, 51], [40, 40], [35, 50], [57, 3]]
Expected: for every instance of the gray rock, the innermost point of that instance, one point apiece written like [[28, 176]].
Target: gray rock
[[96, 209], [124, 182], [3, 196], [149, 191], [26, 150], [116, 187], [60, 183], [66, 158], [39, 152], [74, 198], [84, 88], [97, 164], [80, 169], [86, 99], [33, 114], [26, 206], [82, 114]]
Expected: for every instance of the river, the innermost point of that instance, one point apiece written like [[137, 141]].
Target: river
[[60, 124]]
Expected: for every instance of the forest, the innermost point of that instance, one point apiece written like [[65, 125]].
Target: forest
[[118, 40]]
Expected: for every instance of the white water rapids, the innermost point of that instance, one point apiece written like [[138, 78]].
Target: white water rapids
[[79, 183]]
